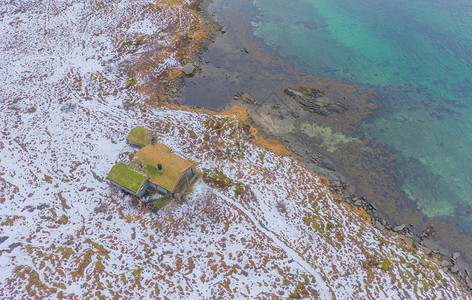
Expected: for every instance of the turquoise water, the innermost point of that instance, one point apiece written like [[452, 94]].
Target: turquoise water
[[416, 53]]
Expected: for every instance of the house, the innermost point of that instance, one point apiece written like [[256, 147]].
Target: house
[[154, 168], [140, 137]]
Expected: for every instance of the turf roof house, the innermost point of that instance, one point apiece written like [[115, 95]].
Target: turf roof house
[[140, 137], [153, 168]]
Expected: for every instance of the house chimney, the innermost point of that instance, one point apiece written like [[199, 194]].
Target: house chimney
[[159, 166]]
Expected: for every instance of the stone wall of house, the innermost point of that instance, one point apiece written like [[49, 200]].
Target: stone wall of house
[[185, 181], [134, 144], [158, 188], [140, 193]]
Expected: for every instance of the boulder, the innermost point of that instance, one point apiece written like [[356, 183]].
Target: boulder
[[444, 263], [358, 203], [455, 269], [399, 228], [455, 255], [379, 226], [188, 69]]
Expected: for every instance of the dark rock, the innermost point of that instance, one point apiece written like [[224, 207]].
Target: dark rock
[[428, 232], [369, 208], [31, 110], [68, 107], [188, 69], [11, 248], [310, 101], [28, 208], [322, 162], [3, 238], [42, 206], [245, 98]]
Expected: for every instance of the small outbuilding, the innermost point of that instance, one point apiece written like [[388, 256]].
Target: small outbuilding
[[154, 168], [128, 180], [140, 137]]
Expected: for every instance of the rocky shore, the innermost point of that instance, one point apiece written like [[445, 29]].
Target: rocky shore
[[277, 118], [448, 260]]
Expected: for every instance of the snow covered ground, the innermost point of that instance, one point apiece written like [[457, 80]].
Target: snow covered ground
[[271, 230]]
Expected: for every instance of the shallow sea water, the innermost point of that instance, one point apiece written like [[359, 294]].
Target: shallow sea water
[[418, 55]]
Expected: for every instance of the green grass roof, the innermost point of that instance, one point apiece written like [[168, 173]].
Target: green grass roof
[[130, 179], [173, 166], [139, 135]]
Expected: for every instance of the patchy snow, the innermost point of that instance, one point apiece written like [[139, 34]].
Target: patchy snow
[[272, 231]]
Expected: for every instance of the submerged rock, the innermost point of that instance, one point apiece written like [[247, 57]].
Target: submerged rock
[[245, 98], [455, 255], [310, 100]]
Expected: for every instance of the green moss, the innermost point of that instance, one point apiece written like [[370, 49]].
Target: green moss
[[425, 285], [101, 250], [122, 175], [161, 202], [137, 273], [330, 226], [66, 251], [130, 82], [382, 242], [240, 188], [385, 265], [217, 179], [261, 157], [140, 135]]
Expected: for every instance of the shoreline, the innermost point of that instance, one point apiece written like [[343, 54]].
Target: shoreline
[[445, 257]]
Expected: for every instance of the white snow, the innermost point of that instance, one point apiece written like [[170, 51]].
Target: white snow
[[64, 117]]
